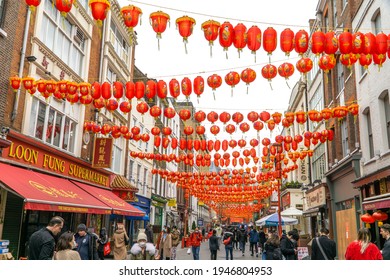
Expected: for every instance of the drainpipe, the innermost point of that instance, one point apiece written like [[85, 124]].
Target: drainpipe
[[21, 64]]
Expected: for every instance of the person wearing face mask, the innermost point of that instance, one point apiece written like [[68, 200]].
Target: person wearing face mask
[[142, 250], [165, 244], [196, 239], [65, 245]]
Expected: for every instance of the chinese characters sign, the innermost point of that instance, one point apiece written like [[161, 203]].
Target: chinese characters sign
[[102, 153]]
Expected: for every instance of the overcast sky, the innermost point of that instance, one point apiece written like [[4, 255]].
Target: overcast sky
[[171, 61]]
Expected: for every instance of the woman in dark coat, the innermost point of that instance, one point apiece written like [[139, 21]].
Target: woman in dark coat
[[272, 247], [103, 239], [214, 246], [288, 247]]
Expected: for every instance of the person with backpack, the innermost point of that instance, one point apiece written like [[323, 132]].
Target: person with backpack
[[243, 238], [287, 245], [323, 248], [213, 245], [253, 240], [228, 242]]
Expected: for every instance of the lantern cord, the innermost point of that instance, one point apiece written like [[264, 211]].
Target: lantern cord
[[232, 91], [214, 94], [270, 84], [247, 90], [158, 43], [288, 84], [211, 50], [226, 55]]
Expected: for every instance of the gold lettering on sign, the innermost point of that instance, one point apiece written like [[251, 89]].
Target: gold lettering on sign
[[111, 201], [53, 191], [53, 163], [87, 174], [26, 154]]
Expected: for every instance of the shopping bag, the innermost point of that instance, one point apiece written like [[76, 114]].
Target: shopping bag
[[189, 251], [107, 249]]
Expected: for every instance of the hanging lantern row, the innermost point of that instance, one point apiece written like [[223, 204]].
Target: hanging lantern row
[[107, 95]]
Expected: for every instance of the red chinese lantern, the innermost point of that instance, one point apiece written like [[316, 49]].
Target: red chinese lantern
[[186, 87], [150, 89], [269, 40], [185, 25], [301, 41], [264, 116], [28, 83], [248, 75], [318, 42], [130, 90], [369, 43], [224, 117], [331, 43], [106, 90], [348, 59], [358, 41], [269, 72], [368, 219], [169, 112], [184, 114], [286, 70], [230, 128], [200, 129], [237, 117], [188, 130], [155, 131], [139, 89], [214, 81], [99, 10], [277, 117], [142, 107], [155, 111], [98, 103], [72, 98], [379, 59], [125, 107], [159, 21], [365, 60], [287, 41], [254, 39], [253, 116], [96, 90], [111, 105], [345, 42], [33, 4], [64, 6], [244, 127], [86, 99], [214, 129], [210, 30], [71, 87], [239, 39], [130, 16], [200, 116], [232, 79], [135, 130], [198, 86], [304, 65], [174, 88], [117, 90], [162, 89], [15, 83], [327, 63], [212, 117], [226, 35], [84, 88], [326, 113]]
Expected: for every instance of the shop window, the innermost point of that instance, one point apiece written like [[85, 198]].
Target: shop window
[[64, 38], [48, 123]]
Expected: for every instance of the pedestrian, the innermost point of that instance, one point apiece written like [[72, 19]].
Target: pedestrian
[[163, 230], [103, 239], [195, 240], [228, 242], [120, 240], [243, 238], [42, 243], [86, 243], [213, 245], [142, 250], [323, 248], [288, 247], [65, 245], [175, 242], [165, 245], [219, 233], [385, 232], [235, 238], [203, 233], [362, 248], [262, 239], [149, 233], [272, 249], [253, 240]]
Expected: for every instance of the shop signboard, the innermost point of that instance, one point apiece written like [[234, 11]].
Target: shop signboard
[[102, 151]]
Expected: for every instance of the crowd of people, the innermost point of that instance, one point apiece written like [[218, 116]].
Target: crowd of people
[[83, 245]]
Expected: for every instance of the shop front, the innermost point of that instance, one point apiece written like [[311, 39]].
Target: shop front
[[375, 193], [136, 223], [158, 209], [38, 182]]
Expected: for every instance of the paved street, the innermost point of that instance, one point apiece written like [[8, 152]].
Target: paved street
[[205, 253]]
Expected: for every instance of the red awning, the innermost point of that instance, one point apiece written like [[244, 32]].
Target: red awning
[[49, 193], [118, 205]]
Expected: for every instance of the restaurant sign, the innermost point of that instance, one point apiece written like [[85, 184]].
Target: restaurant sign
[[102, 150]]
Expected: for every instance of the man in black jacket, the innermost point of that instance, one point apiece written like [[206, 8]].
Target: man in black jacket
[[385, 232], [42, 242], [86, 243], [328, 246]]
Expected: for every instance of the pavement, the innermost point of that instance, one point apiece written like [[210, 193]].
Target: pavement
[[204, 253]]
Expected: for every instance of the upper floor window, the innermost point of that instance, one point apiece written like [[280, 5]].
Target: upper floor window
[[377, 22], [340, 76], [84, 4], [316, 103], [131, 170], [145, 181], [54, 123], [319, 162], [386, 105], [119, 43], [64, 38], [344, 137], [111, 75], [369, 133], [313, 72], [2, 12], [117, 151]]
